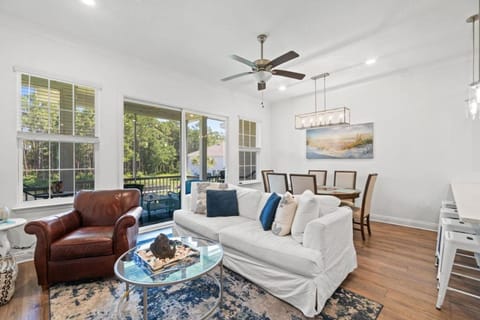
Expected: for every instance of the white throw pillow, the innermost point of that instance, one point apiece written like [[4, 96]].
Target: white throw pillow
[[328, 204], [307, 210], [248, 202], [284, 215], [199, 196]]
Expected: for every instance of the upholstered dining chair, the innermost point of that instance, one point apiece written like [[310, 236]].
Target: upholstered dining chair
[[345, 179], [321, 176], [84, 243], [266, 186], [301, 182], [361, 215], [277, 182]]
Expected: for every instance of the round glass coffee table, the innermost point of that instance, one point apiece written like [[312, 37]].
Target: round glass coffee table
[[131, 269]]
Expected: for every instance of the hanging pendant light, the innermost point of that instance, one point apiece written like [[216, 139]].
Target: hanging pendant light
[[473, 100], [326, 117]]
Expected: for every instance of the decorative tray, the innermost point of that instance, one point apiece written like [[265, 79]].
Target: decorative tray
[[182, 252]]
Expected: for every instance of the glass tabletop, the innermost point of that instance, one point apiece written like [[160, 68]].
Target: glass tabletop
[[132, 269]]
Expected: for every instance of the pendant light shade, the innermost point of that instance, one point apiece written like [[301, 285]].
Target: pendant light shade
[[325, 117]]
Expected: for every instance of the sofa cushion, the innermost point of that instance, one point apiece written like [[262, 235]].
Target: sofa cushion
[[222, 203], [205, 226], [284, 215], [268, 212], [327, 204], [250, 239], [308, 209], [199, 194], [82, 243], [248, 201]]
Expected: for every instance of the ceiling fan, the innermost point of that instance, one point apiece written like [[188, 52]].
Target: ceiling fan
[[262, 69]]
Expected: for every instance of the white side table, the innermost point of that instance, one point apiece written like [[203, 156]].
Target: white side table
[[4, 227], [8, 266]]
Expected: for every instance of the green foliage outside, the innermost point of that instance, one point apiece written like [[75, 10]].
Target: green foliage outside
[[157, 145]]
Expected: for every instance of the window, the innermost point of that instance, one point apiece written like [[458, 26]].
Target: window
[[249, 150], [56, 133]]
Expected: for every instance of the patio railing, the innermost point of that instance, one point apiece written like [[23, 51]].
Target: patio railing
[[161, 185]]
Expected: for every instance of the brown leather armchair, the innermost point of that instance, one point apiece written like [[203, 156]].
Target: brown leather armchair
[[85, 242]]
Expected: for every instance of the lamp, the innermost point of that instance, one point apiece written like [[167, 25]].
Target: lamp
[[262, 76], [474, 88], [326, 117]]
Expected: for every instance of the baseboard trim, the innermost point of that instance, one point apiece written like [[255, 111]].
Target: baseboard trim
[[424, 225]]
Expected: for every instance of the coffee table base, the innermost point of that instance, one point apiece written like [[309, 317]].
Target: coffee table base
[[206, 315]]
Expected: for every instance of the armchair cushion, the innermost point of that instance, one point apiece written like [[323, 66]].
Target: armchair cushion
[[82, 243]]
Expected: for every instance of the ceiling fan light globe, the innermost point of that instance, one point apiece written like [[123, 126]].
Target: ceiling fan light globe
[[262, 76]]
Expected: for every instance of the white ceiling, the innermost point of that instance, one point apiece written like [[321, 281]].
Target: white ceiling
[[196, 37]]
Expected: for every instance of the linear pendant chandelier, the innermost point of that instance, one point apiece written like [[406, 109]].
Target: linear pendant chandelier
[[325, 117], [474, 93]]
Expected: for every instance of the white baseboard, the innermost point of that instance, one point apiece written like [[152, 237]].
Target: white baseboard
[[425, 225]]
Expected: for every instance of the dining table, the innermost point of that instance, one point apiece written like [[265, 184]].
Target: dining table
[[339, 192]]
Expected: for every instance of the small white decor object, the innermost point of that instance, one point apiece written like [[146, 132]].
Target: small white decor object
[[4, 213]]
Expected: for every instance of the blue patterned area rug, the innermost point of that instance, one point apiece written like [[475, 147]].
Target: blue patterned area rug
[[242, 300]]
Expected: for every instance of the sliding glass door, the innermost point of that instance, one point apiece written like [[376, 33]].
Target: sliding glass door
[[205, 139], [152, 153]]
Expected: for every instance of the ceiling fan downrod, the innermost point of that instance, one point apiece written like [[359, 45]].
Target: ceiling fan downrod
[[262, 38]]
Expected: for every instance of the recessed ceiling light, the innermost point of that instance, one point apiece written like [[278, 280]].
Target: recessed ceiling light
[[369, 62], [90, 3], [282, 88]]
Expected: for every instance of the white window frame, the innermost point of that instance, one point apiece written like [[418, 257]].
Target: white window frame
[[22, 136], [256, 150]]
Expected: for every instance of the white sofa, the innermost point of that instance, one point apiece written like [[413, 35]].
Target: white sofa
[[304, 275]]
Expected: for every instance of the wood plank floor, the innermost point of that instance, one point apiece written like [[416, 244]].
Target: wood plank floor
[[395, 268]]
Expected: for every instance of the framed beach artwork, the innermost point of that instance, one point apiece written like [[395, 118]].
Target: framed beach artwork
[[341, 142]]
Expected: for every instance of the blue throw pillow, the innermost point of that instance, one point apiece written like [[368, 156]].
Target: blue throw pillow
[[268, 212], [222, 203]]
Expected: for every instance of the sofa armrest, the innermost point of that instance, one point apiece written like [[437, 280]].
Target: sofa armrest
[[125, 231], [330, 234], [51, 228]]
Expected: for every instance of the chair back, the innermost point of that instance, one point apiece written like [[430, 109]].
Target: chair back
[[345, 179], [266, 186], [135, 186], [104, 207], [367, 194], [302, 182], [277, 182], [321, 176]]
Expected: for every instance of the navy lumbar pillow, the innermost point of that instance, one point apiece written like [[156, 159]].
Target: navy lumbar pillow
[[268, 212], [222, 203]]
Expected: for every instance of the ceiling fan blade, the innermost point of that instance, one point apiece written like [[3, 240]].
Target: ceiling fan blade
[[236, 76], [288, 74], [244, 61], [283, 58], [261, 85]]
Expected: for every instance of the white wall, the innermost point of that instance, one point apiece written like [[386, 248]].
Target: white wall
[[118, 76], [421, 138]]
